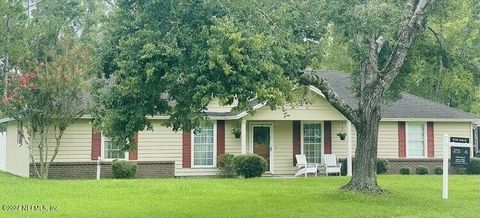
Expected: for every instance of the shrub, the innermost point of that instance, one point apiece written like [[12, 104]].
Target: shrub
[[421, 170], [343, 170], [249, 165], [438, 170], [226, 165], [405, 171], [382, 166], [459, 170], [123, 169], [474, 166]]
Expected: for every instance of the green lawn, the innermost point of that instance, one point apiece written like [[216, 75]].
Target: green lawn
[[409, 196]]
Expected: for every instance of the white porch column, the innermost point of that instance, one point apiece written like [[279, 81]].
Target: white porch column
[[349, 148], [243, 139]]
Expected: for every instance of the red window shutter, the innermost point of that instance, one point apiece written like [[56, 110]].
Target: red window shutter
[[96, 144], [186, 149], [220, 137], [296, 134], [402, 143], [430, 140], [327, 137], [133, 154]]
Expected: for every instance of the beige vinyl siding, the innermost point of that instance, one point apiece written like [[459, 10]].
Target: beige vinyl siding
[[283, 148], [75, 143], [457, 129], [17, 161], [388, 140], [159, 144], [163, 144], [320, 109], [232, 144], [339, 147]]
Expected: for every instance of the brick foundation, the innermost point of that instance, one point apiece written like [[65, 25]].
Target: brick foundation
[[88, 170], [394, 165]]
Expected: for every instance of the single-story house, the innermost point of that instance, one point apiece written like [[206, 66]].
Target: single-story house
[[411, 134]]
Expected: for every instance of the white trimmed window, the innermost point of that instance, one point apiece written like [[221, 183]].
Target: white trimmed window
[[111, 150], [416, 141], [312, 142], [203, 151]]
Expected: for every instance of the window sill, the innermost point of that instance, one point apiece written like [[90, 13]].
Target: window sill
[[111, 160], [204, 167], [417, 157]]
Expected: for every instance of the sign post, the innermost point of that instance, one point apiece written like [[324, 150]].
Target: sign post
[[445, 166], [99, 161], [460, 156]]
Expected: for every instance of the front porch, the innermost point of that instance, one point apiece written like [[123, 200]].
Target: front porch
[[278, 141]]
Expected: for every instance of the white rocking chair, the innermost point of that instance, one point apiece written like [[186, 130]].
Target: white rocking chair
[[304, 167], [329, 161]]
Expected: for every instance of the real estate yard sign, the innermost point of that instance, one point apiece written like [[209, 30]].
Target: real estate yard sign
[[460, 156]]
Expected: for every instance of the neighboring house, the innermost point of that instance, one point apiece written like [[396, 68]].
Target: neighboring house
[[411, 132]]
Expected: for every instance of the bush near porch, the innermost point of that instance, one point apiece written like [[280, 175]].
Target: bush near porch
[[244, 165], [408, 196]]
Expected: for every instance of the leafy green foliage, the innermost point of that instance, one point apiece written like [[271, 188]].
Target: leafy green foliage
[[404, 171], [421, 170], [226, 166], [474, 166], [343, 170], [249, 165], [438, 170], [13, 43], [445, 66], [382, 166], [172, 57], [123, 169]]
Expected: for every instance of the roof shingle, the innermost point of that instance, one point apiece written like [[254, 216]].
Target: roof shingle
[[408, 107]]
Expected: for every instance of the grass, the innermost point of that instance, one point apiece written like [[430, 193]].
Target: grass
[[407, 196]]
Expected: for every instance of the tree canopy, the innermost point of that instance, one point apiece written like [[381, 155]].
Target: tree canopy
[[173, 57]]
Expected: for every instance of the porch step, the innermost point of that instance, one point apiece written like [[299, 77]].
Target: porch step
[[267, 175]]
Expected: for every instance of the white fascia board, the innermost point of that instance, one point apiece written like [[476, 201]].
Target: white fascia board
[[430, 120], [316, 90], [240, 115]]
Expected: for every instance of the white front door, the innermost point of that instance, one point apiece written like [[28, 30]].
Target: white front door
[[3, 150], [262, 143]]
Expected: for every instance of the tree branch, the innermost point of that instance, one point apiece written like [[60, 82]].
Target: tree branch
[[440, 41], [310, 78], [414, 16]]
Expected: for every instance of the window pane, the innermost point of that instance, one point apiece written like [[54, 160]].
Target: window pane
[[112, 151], [203, 145], [312, 142], [416, 140]]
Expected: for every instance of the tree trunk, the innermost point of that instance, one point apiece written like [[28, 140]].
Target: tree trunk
[[364, 177], [45, 172], [5, 76]]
